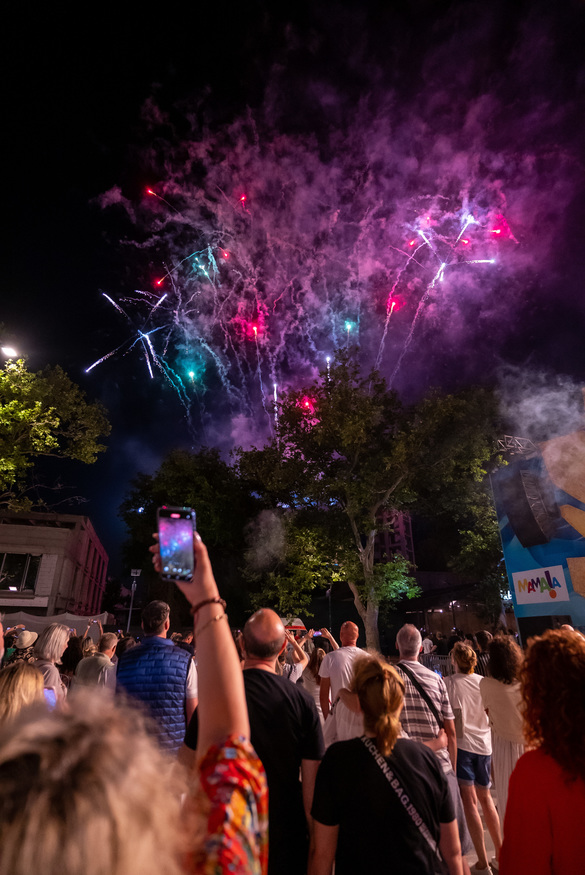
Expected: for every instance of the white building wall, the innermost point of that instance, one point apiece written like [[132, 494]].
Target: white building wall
[[67, 544]]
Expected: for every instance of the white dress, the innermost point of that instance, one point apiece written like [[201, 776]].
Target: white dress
[[312, 688], [503, 701]]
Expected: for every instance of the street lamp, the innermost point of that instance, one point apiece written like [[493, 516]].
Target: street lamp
[[136, 572], [9, 352]]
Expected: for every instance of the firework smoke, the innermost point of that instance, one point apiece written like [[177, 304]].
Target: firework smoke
[[420, 221]]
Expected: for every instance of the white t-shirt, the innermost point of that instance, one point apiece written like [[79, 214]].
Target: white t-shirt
[[292, 671], [191, 691], [338, 667], [427, 645], [503, 702], [466, 701]]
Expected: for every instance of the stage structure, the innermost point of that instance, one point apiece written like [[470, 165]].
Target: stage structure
[[540, 503]]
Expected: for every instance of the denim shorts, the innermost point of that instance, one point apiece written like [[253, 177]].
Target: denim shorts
[[473, 769]]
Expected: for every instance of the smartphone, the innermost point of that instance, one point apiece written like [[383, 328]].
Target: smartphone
[[175, 537], [50, 698], [315, 634]]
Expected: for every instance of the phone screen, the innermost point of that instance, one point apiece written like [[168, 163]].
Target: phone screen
[[175, 531], [50, 698]]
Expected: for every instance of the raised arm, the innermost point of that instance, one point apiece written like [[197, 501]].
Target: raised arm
[[299, 655], [222, 703], [327, 634]]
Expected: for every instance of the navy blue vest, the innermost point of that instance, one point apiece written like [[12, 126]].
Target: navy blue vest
[[155, 672]]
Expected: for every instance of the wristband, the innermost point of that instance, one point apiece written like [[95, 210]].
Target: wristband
[[209, 622], [213, 601]]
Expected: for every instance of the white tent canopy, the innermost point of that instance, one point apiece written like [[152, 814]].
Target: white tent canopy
[[37, 624]]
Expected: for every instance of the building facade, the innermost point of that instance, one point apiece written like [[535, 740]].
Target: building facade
[[51, 563], [395, 537]]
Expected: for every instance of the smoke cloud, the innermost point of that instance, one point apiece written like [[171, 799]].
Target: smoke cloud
[[409, 199]]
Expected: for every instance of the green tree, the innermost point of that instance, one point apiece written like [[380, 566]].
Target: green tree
[[223, 504], [43, 414], [287, 561], [480, 556], [293, 554], [348, 444]]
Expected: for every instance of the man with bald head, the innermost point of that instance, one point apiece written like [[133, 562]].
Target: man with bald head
[[286, 733], [336, 673]]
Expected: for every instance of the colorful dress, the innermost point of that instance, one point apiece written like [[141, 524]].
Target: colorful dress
[[232, 802]]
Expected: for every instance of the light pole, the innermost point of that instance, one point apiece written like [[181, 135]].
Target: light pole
[[136, 572]]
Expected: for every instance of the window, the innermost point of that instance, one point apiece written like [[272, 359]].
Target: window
[[19, 571]]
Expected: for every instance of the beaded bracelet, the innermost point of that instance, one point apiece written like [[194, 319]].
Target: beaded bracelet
[[195, 609], [209, 622]]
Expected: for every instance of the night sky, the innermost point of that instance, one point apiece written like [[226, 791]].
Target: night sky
[[371, 146]]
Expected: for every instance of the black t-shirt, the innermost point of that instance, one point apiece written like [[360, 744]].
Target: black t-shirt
[[284, 729], [374, 824]]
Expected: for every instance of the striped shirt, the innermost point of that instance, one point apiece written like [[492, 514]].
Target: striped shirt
[[417, 719], [483, 661]]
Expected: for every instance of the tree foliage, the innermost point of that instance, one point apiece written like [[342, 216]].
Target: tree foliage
[[43, 414], [223, 505], [287, 562], [347, 444]]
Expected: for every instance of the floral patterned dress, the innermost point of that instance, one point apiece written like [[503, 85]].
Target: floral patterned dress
[[232, 802]]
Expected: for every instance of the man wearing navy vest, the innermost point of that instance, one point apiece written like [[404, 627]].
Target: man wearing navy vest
[[161, 675]]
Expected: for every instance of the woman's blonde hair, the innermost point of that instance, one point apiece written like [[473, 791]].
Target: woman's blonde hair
[[87, 790], [465, 657], [88, 648], [380, 691], [21, 684], [52, 642]]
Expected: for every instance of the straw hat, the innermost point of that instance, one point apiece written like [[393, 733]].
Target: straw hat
[[25, 639]]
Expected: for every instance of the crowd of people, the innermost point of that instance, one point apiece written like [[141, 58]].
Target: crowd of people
[[270, 754]]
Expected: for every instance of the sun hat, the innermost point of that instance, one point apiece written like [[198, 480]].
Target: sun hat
[[25, 639]]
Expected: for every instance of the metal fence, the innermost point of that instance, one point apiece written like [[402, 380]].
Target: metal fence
[[441, 664]]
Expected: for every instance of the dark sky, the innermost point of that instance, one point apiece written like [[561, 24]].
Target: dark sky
[[347, 126]]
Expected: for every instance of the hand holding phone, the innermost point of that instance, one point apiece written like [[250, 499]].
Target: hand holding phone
[[176, 526], [203, 584]]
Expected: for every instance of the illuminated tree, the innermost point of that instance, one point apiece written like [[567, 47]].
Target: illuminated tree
[[43, 414], [347, 447]]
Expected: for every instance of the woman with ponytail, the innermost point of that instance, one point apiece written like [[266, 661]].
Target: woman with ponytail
[[382, 801]]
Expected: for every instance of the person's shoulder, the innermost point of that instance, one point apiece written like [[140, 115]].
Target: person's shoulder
[[260, 682], [422, 673], [534, 770], [408, 747], [260, 676], [344, 750], [326, 663], [86, 662], [451, 682], [416, 755], [536, 762]]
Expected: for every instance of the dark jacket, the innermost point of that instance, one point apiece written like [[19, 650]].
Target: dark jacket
[[155, 672]]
